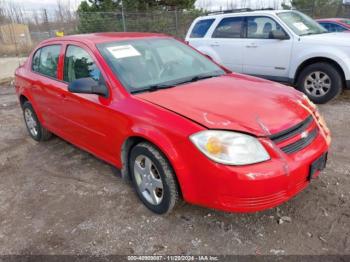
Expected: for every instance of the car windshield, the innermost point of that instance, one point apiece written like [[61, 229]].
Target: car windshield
[[150, 64], [346, 21], [301, 24]]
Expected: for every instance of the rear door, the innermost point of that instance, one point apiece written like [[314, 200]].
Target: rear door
[[263, 55], [226, 41], [45, 84], [197, 36]]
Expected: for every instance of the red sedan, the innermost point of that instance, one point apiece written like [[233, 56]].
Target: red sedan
[[176, 123], [335, 24]]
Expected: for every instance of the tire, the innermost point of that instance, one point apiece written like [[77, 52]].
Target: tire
[[39, 133], [160, 173], [321, 82]]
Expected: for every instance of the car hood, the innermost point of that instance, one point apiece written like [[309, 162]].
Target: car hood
[[234, 102], [335, 39]]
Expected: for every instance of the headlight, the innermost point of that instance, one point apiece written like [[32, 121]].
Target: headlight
[[230, 148]]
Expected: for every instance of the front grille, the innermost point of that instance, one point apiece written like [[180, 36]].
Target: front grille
[[300, 144], [294, 131], [290, 132]]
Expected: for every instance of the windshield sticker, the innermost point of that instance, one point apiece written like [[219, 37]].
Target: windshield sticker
[[123, 51], [301, 26]]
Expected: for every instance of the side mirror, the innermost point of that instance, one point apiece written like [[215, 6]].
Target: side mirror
[[279, 35], [87, 86]]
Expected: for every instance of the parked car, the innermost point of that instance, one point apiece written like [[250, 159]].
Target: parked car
[[281, 45], [176, 123], [335, 24]]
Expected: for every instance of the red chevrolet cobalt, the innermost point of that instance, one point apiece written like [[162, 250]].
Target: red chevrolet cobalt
[[173, 121]]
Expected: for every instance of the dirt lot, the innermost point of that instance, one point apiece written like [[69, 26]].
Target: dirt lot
[[8, 66], [57, 199]]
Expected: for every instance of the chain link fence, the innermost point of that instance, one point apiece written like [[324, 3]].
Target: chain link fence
[[171, 22], [18, 37]]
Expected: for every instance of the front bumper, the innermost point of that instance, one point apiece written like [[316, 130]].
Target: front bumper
[[248, 188]]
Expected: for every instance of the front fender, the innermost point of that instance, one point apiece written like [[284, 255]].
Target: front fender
[[337, 55], [164, 144], [158, 139]]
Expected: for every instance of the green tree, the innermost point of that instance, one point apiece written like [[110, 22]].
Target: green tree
[[96, 16], [113, 5], [98, 5], [141, 15], [317, 8], [158, 4]]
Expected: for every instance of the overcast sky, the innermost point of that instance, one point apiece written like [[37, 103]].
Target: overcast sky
[[206, 4]]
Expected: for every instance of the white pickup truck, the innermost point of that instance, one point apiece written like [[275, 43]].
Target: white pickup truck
[[280, 45]]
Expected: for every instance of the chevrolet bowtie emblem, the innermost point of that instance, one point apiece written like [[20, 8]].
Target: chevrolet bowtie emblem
[[304, 134]]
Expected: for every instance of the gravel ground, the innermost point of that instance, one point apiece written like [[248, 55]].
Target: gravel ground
[[57, 199]]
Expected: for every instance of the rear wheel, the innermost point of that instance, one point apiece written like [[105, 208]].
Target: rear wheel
[[34, 127], [321, 82], [153, 178]]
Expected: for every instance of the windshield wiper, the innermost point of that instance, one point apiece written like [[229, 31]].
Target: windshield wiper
[[197, 78], [152, 88], [157, 87]]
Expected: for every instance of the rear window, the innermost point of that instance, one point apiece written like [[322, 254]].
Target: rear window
[[201, 28], [45, 60], [229, 28]]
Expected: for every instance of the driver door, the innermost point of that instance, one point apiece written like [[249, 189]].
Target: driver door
[[87, 116]]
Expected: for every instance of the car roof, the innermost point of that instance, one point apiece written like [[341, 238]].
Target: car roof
[[97, 38], [249, 13], [331, 19]]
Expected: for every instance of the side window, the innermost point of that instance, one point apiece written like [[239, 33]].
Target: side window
[[326, 25], [201, 27], [79, 64], [337, 28], [331, 28], [45, 60], [261, 27], [36, 61], [229, 28]]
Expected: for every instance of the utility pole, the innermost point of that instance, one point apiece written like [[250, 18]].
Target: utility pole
[[123, 17], [176, 21], [46, 21]]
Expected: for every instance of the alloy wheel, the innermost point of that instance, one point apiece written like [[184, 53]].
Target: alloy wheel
[[317, 83], [148, 180], [31, 122]]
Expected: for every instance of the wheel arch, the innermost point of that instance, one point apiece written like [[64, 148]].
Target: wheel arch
[[314, 60], [22, 99], [165, 148]]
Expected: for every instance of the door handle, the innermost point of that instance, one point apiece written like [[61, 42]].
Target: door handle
[[214, 44], [252, 45]]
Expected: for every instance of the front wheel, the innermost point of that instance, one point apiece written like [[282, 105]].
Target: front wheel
[[321, 82], [153, 178]]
